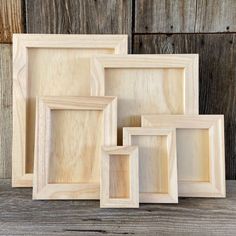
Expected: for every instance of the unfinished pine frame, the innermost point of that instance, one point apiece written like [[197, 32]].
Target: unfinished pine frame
[[49, 65], [147, 84], [200, 152], [119, 177], [70, 132], [157, 163]]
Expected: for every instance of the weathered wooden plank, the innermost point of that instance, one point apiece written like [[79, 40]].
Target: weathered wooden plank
[[185, 16], [192, 216], [217, 82], [11, 19], [78, 16], [5, 110]]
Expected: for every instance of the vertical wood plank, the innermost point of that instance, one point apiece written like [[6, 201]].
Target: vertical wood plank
[[217, 82], [5, 110], [78, 16], [11, 19], [185, 16]]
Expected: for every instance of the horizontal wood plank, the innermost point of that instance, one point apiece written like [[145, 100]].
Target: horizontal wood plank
[[11, 19], [192, 216], [185, 16], [217, 81], [5, 110]]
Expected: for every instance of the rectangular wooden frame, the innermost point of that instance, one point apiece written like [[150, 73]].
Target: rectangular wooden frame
[[41, 188], [21, 44], [139, 93], [215, 124], [172, 195], [133, 200]]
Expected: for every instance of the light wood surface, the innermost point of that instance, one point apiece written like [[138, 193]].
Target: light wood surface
[[157, 163], [49, 65], [69, 134], [119, 177], [200, 152], [147, 84]]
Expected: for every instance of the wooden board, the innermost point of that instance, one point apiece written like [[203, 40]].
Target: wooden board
[[119, 177], [164, 84], [79, 17], [200, 152], [49, 65], [192, 216], [70, 132], [157, 163], [185, 16], [11, 19], [217, 78], [5, 110]]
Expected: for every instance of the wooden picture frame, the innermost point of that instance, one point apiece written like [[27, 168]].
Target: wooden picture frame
[[202, 138], [147, 84], [49, 65], [157, 149], [70, 132], [119, 177]]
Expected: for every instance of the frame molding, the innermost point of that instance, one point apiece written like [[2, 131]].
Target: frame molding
[[21, 44], [215, 123], [172, 195], [41, 188], [133, 200]]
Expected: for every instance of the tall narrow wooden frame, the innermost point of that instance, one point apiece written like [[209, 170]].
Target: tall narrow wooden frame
[[115, 157], [147, 84], [42, 188], [171, 194], [34, 74], [214, 125]]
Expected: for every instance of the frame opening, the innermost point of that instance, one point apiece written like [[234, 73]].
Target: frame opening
[[119, 176], [76, 138]]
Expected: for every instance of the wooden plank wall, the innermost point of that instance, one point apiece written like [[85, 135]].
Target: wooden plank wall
[[206, 27]]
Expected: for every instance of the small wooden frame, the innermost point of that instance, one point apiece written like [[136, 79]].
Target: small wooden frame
[[147, 84], [119, 177], [200, 152], [157, 163], [70, 132], [49, 65]]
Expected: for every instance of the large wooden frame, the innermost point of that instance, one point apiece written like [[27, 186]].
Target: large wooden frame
[[161, 183], [49, 65], [119, 177], [200, 145], [147, 84], [53, 145]]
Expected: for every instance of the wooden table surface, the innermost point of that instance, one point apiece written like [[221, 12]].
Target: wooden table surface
[[19, 215]]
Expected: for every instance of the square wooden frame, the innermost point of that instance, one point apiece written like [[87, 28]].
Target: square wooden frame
[[215, 123], [21, 44], [41, 188], [172, 195], [133, 200]]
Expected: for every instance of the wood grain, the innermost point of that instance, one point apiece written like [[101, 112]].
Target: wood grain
[[217, 79], [68, 144], [192, 216], [5, 110], [147, 84], [185, 16], [78, 16], [119, 177], [157, 163], [200, 152], [11, 19], [43, 65]]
